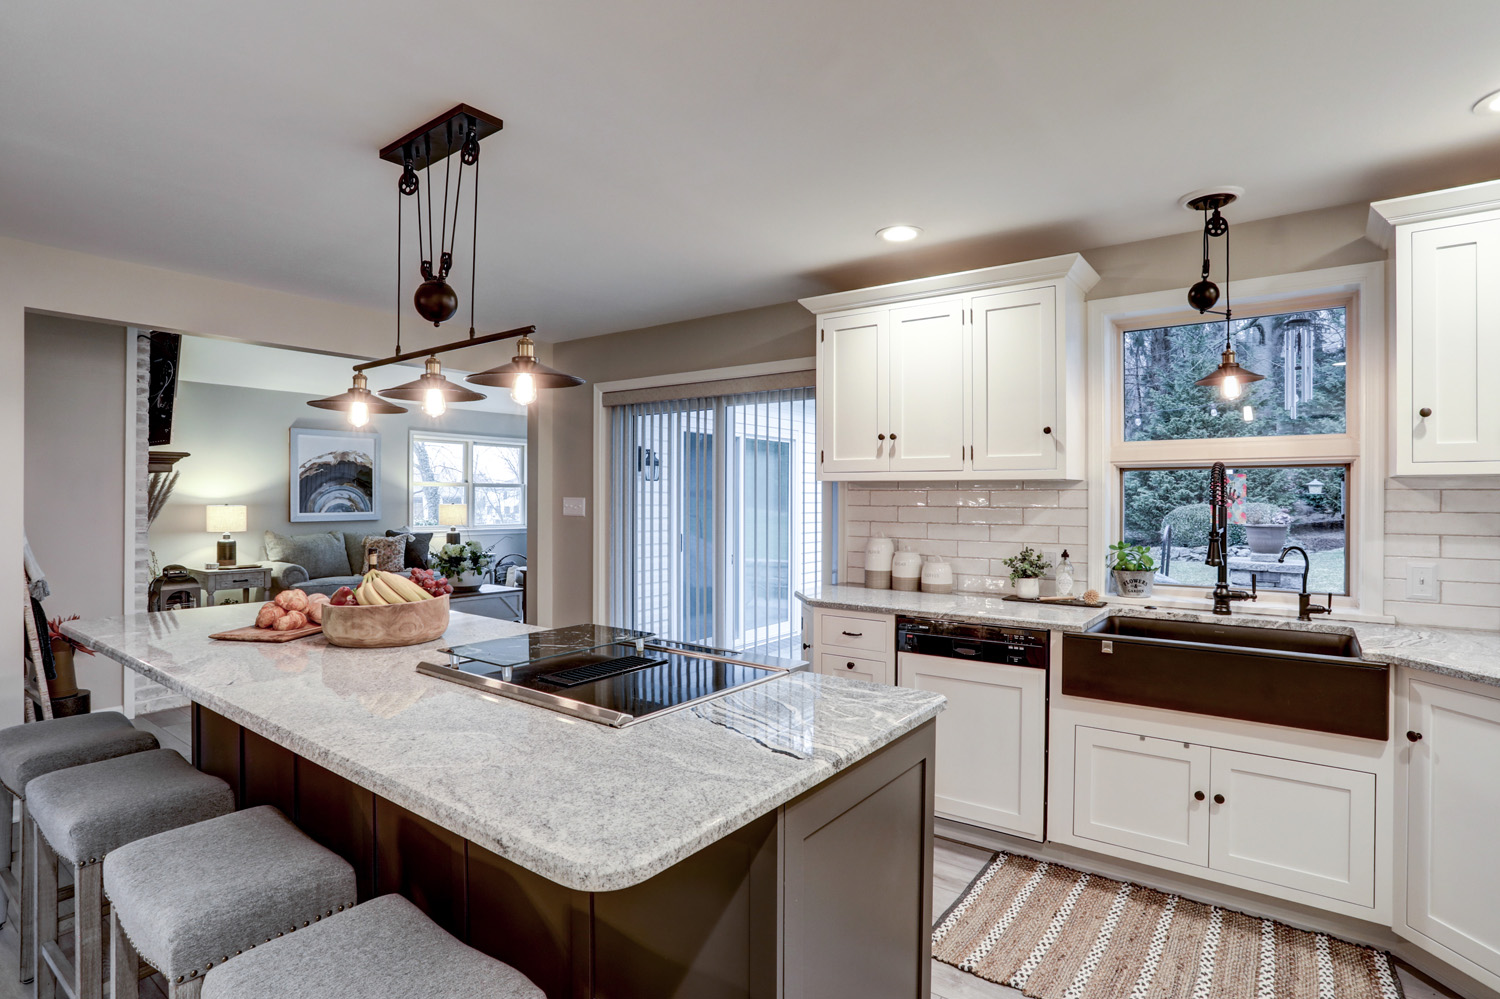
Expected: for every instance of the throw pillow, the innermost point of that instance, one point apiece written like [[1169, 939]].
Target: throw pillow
[[354, 544], [417, 548], [390, 553], [320, 554]]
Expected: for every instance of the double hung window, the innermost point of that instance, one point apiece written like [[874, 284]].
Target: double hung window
[[486, 475]]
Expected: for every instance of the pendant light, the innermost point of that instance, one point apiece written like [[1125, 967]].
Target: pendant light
[[359, 402], [524, 375], [432, 390], [1228, 378]]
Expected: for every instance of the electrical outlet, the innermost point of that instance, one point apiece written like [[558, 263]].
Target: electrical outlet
[[574, 506], [1422, 581]]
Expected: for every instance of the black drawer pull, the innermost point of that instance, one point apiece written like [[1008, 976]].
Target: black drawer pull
[[848, 665], [1414, 737], [854, 634]]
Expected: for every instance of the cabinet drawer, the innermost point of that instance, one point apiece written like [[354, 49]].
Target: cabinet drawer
[[242, 581], [859, 633], [869, 670]]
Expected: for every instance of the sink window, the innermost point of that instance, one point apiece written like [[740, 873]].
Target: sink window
[[1271, 506]]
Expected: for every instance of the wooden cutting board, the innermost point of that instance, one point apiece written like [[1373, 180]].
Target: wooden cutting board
[[254, 634]]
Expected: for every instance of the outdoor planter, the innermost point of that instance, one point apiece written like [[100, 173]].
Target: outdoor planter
[[1134, 582]]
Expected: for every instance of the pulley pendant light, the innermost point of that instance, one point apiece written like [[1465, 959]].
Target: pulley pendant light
[[432, 390], [1229, 379], [359, 402], [524, 375]]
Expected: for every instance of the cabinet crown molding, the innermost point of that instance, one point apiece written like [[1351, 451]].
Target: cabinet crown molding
[[1068, 266], [1386, 215]]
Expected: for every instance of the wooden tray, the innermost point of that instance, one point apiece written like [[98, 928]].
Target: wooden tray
[[254, 634], [1070, 602]]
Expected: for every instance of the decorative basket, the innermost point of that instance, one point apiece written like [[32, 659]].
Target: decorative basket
[[386, 626]]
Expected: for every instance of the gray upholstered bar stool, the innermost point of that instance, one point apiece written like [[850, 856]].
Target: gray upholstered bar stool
[[29, 751], [383, 948], [82, 814], [190, 899]]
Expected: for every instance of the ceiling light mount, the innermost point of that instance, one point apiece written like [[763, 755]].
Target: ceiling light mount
[[1488, 104]]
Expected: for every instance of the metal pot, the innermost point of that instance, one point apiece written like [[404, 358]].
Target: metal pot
[[1134, 582]]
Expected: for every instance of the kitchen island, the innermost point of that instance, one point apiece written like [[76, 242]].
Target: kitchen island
[[776, 841]]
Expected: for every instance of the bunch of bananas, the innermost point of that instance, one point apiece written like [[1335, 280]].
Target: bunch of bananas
[[379, 588]]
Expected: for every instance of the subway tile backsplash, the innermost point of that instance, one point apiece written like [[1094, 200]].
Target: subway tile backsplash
[[972, 525], [1453, 523]]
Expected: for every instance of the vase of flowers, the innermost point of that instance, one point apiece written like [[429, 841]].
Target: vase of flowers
[[1133, 568], [63, 647], [462, 564], [1027, 567]]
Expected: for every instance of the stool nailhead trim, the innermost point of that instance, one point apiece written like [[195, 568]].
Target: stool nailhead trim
[[291, 929]]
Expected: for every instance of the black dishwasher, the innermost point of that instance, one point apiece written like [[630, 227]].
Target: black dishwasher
[[980, 642]]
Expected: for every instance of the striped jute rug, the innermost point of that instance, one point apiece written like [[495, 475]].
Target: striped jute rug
[[1056, 933]]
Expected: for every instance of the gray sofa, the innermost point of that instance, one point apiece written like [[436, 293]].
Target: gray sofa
[[322, 562]]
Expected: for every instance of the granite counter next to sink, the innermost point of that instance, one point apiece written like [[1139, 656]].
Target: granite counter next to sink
[[1466, 655]]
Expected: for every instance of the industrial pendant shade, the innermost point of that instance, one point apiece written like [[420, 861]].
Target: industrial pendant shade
[[432, 390], [459, 131], [1228, 379]]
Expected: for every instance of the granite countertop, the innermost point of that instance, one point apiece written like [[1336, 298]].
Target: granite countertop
[[587, 806], [1467, 655]]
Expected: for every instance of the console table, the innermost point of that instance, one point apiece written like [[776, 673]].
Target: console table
[[241, 578], [502, 602]]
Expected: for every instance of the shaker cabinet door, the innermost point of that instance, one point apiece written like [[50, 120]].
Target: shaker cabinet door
[[928, 365], [1141, 793], [853, 422], [1014, 340]]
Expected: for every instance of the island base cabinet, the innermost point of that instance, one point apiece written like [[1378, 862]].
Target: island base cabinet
[[828, 896], [1452, 812]]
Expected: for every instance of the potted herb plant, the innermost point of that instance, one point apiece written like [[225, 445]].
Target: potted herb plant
[[63, 647], [463, 564], [1027, 567], [1133, 567], [1265, 528]]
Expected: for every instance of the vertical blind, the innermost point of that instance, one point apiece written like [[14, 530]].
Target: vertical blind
[[715, 517]]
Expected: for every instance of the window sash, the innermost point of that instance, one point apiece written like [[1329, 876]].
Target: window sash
[[469, 484]]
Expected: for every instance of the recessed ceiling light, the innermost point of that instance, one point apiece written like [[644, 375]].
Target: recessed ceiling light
[[899, 233], [1488, 104]]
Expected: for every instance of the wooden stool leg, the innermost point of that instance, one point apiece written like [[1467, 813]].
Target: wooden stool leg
[[88, 904], [7, 806], [43, 908], [124, 963], [27, 879], [187, 990]]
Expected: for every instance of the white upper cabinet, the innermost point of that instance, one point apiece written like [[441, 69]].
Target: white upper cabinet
[[1446, 417], [977, 374]]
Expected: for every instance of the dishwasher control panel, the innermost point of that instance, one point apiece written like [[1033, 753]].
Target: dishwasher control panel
[[980, 642]]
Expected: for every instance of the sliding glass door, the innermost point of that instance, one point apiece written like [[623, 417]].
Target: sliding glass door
[[715, 515]]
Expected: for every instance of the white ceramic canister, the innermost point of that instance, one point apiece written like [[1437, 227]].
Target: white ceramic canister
[[878, 552], [906, 571], [937, 576]]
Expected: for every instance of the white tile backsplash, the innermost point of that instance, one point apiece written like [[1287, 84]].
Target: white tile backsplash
[[1453, 522]]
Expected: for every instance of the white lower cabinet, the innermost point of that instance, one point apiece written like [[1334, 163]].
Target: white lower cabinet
[[854, 667], [853, 644], [1299, 825], [1141, 793], [1452, 814], [991, 740]]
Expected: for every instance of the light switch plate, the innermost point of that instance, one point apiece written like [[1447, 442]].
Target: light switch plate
[[1422, 581], [576, 506]]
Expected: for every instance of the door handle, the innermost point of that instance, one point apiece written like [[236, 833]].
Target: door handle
[[1218, 799], [1414, 737]]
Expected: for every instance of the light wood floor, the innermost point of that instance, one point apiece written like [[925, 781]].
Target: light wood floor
[[954, 865]]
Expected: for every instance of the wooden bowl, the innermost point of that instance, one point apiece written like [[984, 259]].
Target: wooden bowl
[[386, 626]]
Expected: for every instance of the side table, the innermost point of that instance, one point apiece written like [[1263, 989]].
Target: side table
[[501, 602], [238, 578]]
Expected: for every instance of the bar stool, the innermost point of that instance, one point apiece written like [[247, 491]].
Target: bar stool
[[84, 813], [29, 751], [190, 899], [384, 947]]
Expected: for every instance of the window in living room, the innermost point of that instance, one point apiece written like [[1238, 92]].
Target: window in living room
[[486, 476]]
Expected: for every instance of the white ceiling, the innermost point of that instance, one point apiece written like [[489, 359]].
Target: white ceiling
[[665, 159], [275, 369]]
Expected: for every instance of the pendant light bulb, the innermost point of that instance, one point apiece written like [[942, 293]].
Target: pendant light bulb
[[523, 391], [433, 403], [1248, 413], [1230, 387], [359, 413]]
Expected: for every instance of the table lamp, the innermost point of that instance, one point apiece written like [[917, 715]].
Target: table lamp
[[227, 519], [453, 515]]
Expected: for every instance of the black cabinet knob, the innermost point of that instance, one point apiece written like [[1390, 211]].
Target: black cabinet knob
[[1218, 799], [1414, 737], [1046, 430], [1424, 412], [848, 665], [1198, 796], [880, 437], [893, 436]]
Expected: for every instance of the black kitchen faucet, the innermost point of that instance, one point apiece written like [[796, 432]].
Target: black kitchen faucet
[[1218, 542]]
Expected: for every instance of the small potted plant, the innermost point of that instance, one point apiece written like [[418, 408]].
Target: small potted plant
[[1265, 528], [63, 647], [1133, 567], [1027, 567], [463, 565]]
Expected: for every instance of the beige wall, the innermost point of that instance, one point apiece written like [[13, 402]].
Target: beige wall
[[75, 475], [1325, 238], [237, 441]]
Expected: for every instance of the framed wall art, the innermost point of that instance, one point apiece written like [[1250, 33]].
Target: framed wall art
[[335, 475]]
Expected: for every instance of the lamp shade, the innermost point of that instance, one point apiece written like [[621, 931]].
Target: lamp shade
[[226, 518], [453, 514]]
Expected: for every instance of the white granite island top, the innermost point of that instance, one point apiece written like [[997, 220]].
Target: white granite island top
[[590, 807], [1466, 655]]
